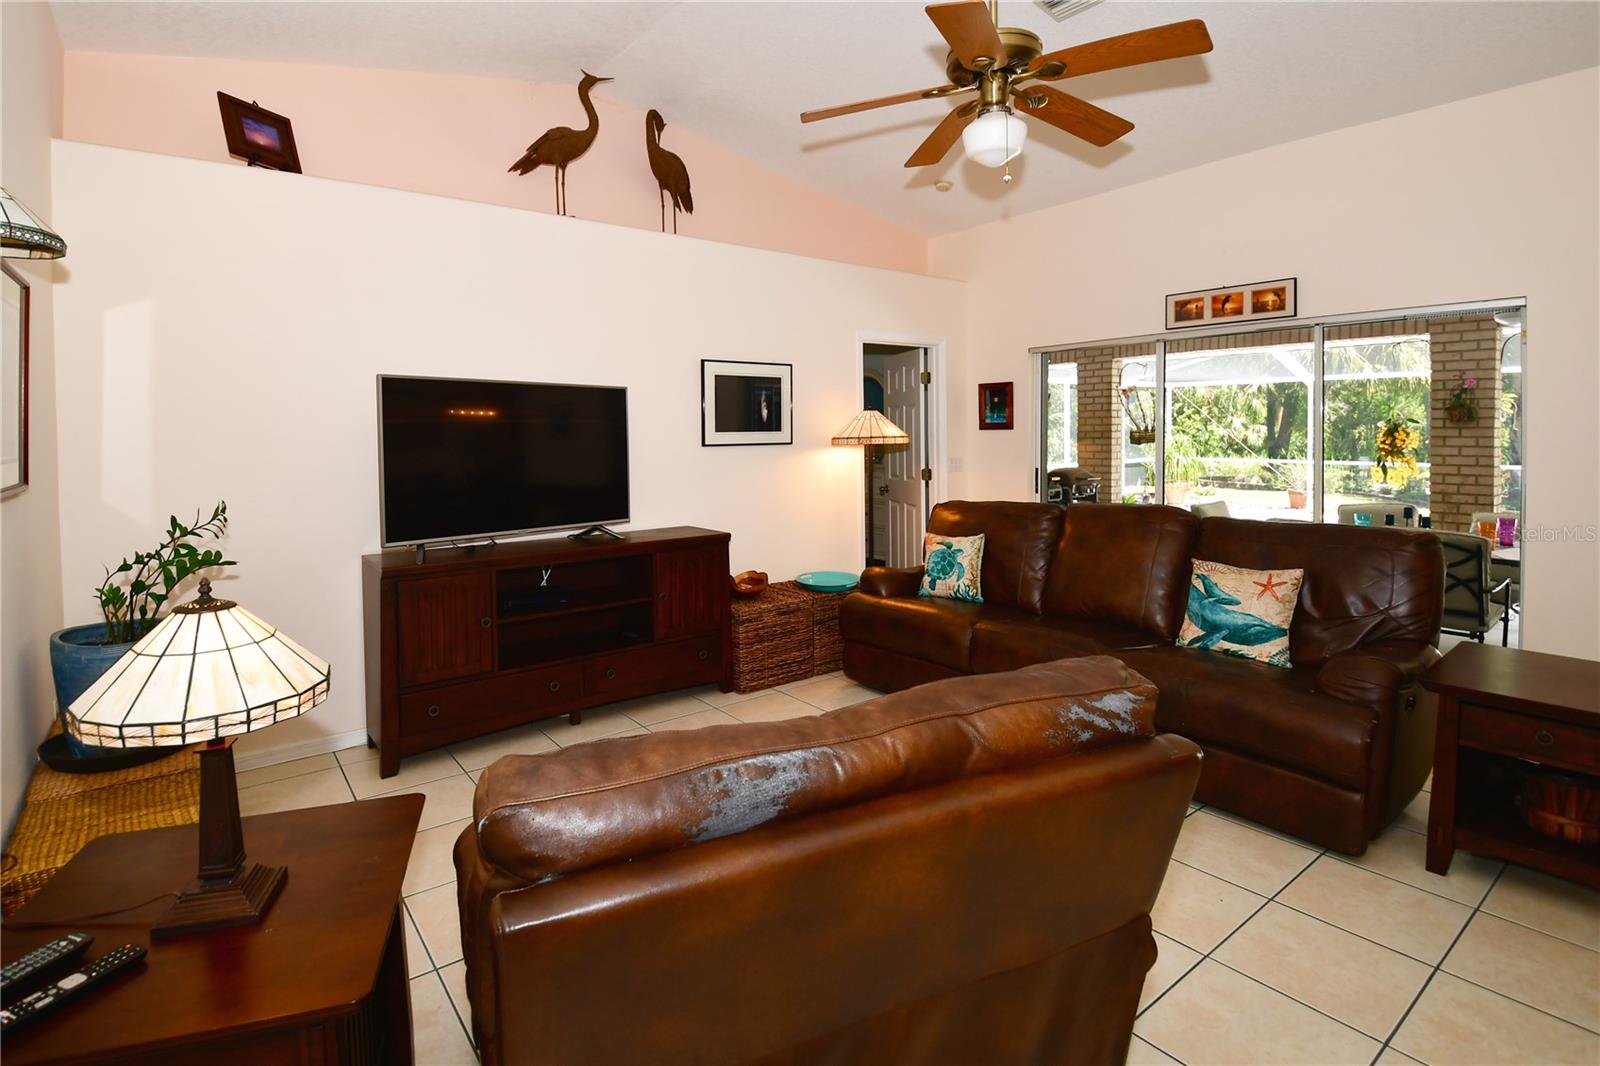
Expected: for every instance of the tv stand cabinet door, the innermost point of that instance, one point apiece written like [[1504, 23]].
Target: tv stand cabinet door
[[691, 591], [445, 627]]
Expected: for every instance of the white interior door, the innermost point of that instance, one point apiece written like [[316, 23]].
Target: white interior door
[[899, 477]]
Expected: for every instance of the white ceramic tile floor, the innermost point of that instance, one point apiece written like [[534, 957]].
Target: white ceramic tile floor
[[1491, 964]]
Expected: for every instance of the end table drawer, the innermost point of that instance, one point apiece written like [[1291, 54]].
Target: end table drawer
[[551, 691], [1540, 739]]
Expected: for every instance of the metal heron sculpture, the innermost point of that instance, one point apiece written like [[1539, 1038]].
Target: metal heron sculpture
[[671, 175], [559, 146]]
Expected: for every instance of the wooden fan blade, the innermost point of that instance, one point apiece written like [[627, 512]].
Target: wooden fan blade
[[933, 149], [1078, 117], [970, 33], [882, 101], [1130, 49]]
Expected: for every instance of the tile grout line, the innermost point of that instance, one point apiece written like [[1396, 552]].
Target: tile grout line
[[1428, 982]]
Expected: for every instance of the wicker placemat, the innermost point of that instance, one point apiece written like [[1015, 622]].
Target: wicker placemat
[[63, 812]]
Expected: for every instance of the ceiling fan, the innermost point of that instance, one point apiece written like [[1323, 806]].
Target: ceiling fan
[[1002, 66]]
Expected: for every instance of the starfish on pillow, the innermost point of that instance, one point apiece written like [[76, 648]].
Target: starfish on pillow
[[1269, 587]]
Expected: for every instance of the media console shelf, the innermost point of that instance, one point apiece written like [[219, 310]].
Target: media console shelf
[[470, 641]]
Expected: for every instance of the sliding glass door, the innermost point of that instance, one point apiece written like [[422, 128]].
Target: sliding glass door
[[1415, 416], [1239, 429]]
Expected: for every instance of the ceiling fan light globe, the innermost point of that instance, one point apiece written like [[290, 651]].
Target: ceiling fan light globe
[[994, 138]]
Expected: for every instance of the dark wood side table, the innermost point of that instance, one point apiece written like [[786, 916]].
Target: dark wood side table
[[1500, 710], [322, 978]]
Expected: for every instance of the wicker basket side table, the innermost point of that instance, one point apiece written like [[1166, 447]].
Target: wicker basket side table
[[772, 638]]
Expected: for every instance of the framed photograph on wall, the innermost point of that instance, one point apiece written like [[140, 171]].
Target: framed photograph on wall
[[994, 405], [746, 403], [259, 136], [1232, 303], [14, 387]]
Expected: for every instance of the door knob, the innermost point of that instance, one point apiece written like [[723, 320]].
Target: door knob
[[486, 621], [883, 490]]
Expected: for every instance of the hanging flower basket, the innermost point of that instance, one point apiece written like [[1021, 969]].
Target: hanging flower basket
[[1460, 414], [1462, 405], [1141, 436]]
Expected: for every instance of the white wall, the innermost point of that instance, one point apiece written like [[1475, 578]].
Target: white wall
[[1495, 196], [30, 559], [220, 329]]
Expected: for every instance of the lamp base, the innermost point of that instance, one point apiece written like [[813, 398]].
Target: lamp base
[[241, 900]]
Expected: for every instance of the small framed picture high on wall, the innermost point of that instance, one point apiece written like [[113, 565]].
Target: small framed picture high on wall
[[746, 403], [994, 405], [260, 137], [1232, 303]]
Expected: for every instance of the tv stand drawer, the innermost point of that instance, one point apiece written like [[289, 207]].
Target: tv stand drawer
[[655, 668], [472, 706]]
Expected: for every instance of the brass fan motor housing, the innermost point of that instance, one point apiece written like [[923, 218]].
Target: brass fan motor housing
[[1022, 48]]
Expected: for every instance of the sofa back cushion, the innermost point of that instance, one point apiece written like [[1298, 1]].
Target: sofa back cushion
[[545, 816], [1017, 544], [1125, 563], [1362, 584]]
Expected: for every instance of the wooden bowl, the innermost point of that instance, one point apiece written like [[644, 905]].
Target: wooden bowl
[[749, 583]]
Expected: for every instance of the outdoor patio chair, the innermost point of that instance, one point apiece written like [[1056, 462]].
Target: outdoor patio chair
[[1210, 508], [1500, 570], [1470, 604], [1405, 514]]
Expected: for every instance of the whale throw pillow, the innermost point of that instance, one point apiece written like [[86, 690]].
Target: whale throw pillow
[[1241, 612], [952, 567]]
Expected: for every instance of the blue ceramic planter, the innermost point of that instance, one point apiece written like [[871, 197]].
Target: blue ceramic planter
[[77, 659]]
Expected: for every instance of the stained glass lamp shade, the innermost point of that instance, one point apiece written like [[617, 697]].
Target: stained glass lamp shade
[[870, 427], [23, 235], [210, 671]]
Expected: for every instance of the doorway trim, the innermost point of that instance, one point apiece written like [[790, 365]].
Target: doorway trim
[[934, 415]]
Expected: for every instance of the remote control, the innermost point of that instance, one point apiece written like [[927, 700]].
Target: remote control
[[35, 962], [69, 987]]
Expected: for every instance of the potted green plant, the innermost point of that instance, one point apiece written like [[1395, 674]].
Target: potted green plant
[[131, 598], [1462, 404]]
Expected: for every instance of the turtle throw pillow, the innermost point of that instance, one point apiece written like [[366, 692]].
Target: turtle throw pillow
[[1241, 612], [952, 568]]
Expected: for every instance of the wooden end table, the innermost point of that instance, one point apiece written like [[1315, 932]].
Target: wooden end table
[[1499, 710], [322, 978]]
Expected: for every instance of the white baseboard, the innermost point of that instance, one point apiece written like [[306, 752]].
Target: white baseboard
[[255, 759]]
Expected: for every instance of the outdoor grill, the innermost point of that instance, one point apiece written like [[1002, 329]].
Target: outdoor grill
[[1072, 484]]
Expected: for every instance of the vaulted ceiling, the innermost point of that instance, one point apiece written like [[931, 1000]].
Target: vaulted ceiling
[[740, 73]]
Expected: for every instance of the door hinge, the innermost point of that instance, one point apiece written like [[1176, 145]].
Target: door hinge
[[926, 377], [927, 473]]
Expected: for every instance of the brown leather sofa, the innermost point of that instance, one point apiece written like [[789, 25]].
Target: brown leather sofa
[[959, 873], [1330, 750]]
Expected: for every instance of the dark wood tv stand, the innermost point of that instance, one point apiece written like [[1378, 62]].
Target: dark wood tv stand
[[463, 643]]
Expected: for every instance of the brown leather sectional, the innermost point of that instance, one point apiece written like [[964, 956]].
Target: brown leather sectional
[[1330, 750], [962, 873]]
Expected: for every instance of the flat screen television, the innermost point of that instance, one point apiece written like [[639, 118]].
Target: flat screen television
[[466, 460]]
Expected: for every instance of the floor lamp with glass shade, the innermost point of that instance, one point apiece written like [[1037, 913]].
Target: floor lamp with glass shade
[[208, 673], [869, 429]]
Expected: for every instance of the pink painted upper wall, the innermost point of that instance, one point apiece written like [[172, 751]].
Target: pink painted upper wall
[[455, 136]]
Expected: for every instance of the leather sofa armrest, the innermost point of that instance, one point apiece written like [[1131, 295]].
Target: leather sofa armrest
[[1376, 674], [891, 581]]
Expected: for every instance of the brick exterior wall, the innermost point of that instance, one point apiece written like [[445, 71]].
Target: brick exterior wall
[[1465, 475], [1100, 418]]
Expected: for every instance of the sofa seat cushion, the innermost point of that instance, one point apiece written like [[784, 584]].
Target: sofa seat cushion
[[936, 630], [1010, 639], [1261, 711], [543, 816]]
